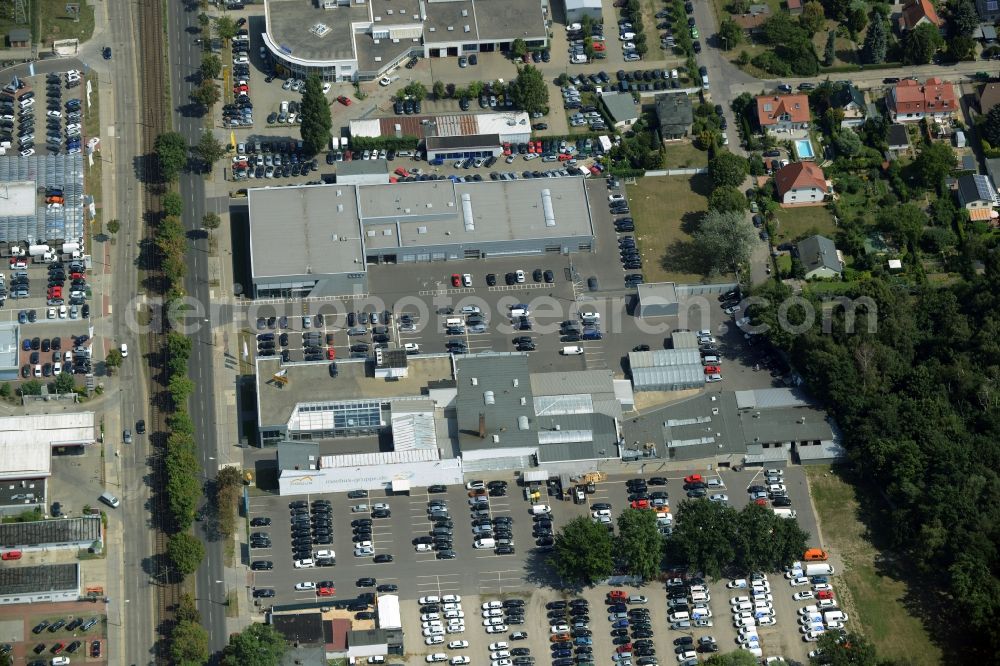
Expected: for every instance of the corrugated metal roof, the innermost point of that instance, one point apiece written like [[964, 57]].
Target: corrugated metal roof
[[663, 378], [552, 405], [564, 436], [684, 340], [413, 430], [660, 358], [379, 458]]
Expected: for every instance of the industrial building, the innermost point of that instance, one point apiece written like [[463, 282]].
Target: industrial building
[[444, 418], [38, 584], [326, 234], [577, 9], [667, 369], [340, 40], [505, 126], [10, 342], [766, 427], [24, 215], [44, 535]]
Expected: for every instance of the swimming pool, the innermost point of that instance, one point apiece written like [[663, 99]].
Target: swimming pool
[[804, 149]]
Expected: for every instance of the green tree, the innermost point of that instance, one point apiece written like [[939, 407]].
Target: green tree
[[857, 19], [64, 383], [812, 17], [847, 142], [961, 47], [211, 66], [800, 56], [209, 149], [173, 204], [964, 19], [113, 360], [519, 48], [907, 220], [727, 199], [5, 390], [316, 121], [854, 650], [725, 239], [991, 126], [225, 27], [180, 388], [189, 644], [416, 90], [921, 43], [727, 168], [704, 534], [171, 154], [31, 387], [731, 34], [113, 226], [876, 42], [211, 221], [257, 645], [582, 554], [438, 90], [933, 163], [640, 543], [186, 552], [830, 52], [529, 90], [734, 658]]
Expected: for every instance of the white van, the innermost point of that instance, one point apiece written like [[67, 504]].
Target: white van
[[571, 350], [711, 360], [452, 322], [110, 500], [540, 508], [518, 312], [742, 606], [679, 617], [700, 597], [485, 544]]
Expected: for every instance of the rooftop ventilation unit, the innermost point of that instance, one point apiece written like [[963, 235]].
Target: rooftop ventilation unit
[[489, 398], [550, 216], [320, 29], [470, 223]]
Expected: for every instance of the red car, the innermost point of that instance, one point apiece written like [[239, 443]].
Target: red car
[[18, 262], [712, 370], [761, 501], [11, 555], [331, 353], [824, 594], [640, 504], [694, 478], [625, 648], [343, 99], [401, 172], [456, 280], [55, 292], [617, 594], [326, 591]]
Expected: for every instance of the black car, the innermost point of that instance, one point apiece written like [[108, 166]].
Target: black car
[[445, 555], [259, 521], [491, 279], [263, 592], [382, 558], [262, 565], [355, 494]]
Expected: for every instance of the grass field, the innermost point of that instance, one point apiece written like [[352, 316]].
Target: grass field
[[666, 210], [683, 155], [48, 21], [794, 223], [874, 602]]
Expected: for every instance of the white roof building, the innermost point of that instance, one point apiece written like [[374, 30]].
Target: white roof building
[[26, 441]]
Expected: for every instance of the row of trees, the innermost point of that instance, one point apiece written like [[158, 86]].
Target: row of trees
[[586, 552], [724, 238], [188, 639]]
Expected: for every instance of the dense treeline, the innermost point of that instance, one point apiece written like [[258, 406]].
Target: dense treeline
[[918, 402]]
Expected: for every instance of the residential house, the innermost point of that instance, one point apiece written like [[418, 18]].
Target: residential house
[[899, 141], [910, 101], [753, 21], [993, 170], [19, 38], [675, 113], [988, 96], [782, 112], [577, 9], [987, 34], [801, 184], [794, 7], [820, 257], [989, 10], [851, 101], [918, 12], [976, 195], [621, 108]]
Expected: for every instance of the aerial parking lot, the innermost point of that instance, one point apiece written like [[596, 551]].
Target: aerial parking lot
[[485, 544]]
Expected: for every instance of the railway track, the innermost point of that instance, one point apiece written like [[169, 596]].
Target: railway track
[[154, 77]]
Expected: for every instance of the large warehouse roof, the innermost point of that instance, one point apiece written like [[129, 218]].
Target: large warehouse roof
[[85, 529], [495, 406], [26, 440], [662, 358], [667, 378], [34, 580]]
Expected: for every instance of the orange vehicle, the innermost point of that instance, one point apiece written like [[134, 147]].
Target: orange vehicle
[[54, 199], [617, 594], [815, 555]]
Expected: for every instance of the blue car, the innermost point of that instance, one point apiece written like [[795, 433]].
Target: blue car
[[816, 580], [620, 624], [585, 640], [556, 654], [437, 161], [107, 53], [22, 318]]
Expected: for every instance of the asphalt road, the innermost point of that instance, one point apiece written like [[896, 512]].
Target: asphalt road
[[185, 59]]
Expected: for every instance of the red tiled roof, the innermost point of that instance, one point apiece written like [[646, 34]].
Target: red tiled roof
[[935, 96], [770, 109], [917, 10], [794, 4], [799, 175]]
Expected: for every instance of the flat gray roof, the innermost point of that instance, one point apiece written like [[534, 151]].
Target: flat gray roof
[[362, 168], [432, 212], [56, 531], [311, 229], [290, 24], [311, 382], [497, 20], [587, 437], [34, 580], [8, 345], [498, 386]]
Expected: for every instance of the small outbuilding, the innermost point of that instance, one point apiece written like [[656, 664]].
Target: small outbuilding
[[577, 9], [19, 38], [622, 109], [658, 299]]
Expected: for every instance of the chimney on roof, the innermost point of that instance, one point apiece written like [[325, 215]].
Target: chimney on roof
[[482, 425]]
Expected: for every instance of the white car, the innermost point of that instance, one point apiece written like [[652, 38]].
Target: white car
[[451, 599], [360, 544], [806, 610], [687, 654], [424, 548], [766, 621], [124, 350], [381, 506], [763, 596], [836, 624], [449, 607], [820, 587], [812, 636], [326, 87], [493, 612], [802, 596], [432, 624], [462, 659], [739, 583], [427, 617], [434, 640], [500, 654], [497, 629], [807, 620], [458, 645], [559, 629], [798, 580], [808, 628], [384, 81], [501, 662], [774, 471], [601, 513], [827, 603], [305, 585], [794, 572], [492, 621], [777, 488], [454, 614], [616, 197], [490, 605], [433, 631], [364, 552], [467, 279], [718, 497], [735, 601], [499, 645], [455, 628], [433, 599], [437, 656]]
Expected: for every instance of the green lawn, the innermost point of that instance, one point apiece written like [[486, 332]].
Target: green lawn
[[792, 224], [54, 23], [683, 155], [877, 602], [666, 210]]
